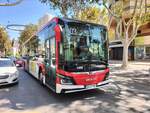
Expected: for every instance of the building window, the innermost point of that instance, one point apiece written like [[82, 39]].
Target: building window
[[139, 52], [147, 52]]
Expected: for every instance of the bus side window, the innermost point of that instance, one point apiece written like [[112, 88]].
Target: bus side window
[[47, 52], [52, 50]]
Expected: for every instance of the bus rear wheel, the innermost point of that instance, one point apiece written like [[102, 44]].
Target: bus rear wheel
[[42, 78]]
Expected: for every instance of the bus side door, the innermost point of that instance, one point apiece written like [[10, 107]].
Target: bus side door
[[48, 64], [52, 62], [47, 61]]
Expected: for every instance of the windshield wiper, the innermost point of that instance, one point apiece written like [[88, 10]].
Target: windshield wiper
[[100, 59], [96, 62], [103, 62]]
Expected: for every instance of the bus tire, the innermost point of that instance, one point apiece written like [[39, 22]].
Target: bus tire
[[42, 78]]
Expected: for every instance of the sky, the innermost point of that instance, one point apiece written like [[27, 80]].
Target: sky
[[28, 11]]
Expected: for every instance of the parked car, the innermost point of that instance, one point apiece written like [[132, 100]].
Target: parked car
[[13, 58], [19, 62], [8, 72]]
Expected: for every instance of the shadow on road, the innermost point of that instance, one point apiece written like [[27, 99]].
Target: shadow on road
[[30, 95]]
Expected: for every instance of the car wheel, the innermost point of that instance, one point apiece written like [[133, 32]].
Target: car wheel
[[16, 83]]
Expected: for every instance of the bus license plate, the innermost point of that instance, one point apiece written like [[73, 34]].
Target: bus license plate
[[91, 86]]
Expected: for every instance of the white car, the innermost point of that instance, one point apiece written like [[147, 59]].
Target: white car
[[8, 72]]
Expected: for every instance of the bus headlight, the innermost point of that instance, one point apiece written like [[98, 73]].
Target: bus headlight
[[106, 76], [65, 80]]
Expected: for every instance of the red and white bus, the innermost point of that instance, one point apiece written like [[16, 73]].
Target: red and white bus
[[69, 55]]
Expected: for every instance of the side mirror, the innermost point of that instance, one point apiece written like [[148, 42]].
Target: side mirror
[[53, 61], [45, 60]]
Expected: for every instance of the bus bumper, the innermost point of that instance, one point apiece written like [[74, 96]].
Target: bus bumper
[[75, 88]]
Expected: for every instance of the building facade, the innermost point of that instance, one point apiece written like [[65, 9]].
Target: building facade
[[140, 47]]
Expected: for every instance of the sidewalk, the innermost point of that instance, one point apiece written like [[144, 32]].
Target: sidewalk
[[130, 62], [134, 83], [137, 67]]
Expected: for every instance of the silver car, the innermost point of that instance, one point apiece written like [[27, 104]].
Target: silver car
[[8, 72]]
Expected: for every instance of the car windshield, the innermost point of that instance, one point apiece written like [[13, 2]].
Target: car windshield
[[6, 63], [83, 44]]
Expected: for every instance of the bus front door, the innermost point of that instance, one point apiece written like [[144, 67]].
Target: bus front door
[[50, 68]]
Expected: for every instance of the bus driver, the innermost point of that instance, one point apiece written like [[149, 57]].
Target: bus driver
[[82, 47]]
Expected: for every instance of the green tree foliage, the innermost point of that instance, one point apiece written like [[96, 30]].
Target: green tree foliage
[[26, 35], [80, 9], [67, 8], [90, 14], [5, 42], [94, 14]]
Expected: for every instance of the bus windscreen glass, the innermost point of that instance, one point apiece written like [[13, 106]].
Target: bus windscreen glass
[[83, 47]]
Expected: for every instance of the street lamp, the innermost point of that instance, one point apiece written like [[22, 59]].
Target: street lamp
[[14, 27], [10, 2]]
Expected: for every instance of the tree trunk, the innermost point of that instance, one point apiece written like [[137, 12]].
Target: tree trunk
[[125, 55]]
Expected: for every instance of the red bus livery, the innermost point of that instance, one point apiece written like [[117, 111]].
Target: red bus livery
[[69, 55]]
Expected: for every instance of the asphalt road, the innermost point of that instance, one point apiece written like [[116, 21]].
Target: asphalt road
[[30, 97]]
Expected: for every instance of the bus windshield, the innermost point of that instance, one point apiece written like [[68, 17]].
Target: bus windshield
[[83, 47]]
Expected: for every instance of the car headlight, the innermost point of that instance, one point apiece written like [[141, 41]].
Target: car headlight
[[15, 74], [65, 80]]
